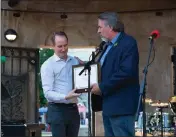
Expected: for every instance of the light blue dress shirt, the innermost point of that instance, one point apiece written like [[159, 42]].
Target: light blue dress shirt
[[110, 45], [56, 75]]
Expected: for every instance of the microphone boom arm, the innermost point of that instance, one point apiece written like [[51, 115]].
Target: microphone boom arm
[[87, 64]]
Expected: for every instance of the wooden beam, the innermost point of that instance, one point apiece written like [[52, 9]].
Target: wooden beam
[[91, 6]]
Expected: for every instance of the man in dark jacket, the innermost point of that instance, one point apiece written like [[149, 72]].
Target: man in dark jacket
[[119, 86]]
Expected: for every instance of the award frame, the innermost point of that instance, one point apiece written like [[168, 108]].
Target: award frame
[[76, 78]]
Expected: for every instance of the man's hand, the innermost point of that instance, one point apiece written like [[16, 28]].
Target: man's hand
[[79, 60], [72, 94], [95, 89]]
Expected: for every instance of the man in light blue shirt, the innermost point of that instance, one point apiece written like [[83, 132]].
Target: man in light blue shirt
[[56, 75]]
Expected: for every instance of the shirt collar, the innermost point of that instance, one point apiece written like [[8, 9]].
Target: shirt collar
[[59, 59], [115, 38]]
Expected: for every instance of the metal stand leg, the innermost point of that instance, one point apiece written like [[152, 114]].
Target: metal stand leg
[[161, 110]]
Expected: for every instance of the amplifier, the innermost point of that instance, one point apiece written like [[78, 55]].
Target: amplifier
[[13, 130]]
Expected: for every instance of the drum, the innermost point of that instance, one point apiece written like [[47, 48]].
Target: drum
[[168, 120], [155, 120]]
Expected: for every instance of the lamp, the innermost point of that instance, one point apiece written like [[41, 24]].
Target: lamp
[[10, 35], [13, 3], [63, 16]]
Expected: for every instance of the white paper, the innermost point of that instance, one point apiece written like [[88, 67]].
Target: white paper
[[81, 81]]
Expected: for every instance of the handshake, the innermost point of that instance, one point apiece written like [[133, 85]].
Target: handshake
[[94, 90]]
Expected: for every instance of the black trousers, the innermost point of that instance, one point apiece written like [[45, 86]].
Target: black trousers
[[64, 119]]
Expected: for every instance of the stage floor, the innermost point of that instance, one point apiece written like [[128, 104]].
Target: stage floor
[[137, 134]]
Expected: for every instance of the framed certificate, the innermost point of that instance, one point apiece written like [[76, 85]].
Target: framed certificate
[[81, 81]]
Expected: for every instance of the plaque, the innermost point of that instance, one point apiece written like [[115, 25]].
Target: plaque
[[80, 81]]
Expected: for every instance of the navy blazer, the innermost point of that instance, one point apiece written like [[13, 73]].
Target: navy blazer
[[119, 79]]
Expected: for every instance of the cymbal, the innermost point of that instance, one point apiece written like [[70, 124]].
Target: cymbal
[[172, 99], [159, 104], [148, 100]]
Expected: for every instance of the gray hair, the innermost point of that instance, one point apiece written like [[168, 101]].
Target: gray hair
[[112, 20]]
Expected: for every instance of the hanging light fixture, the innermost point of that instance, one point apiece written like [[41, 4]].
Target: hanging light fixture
[[10, 35], [13, 3]]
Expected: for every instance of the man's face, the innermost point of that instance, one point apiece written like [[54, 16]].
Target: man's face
[[61, 46], [103, 29]]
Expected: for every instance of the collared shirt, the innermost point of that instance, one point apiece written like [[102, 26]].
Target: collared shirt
[[110, 45], [56, 75]]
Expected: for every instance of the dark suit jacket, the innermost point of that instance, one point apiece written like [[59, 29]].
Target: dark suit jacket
[[119, 79]]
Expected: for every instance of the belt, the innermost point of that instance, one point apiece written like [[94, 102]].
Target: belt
[[63, 104]]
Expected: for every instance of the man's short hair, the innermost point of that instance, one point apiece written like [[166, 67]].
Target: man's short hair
[[58, 33]]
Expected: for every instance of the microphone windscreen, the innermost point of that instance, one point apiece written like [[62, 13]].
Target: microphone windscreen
[[156, 33]]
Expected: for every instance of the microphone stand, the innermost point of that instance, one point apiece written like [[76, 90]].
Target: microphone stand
[[87, 66], [143, 90]]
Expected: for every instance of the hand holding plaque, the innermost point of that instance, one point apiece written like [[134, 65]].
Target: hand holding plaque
[[80, 82]]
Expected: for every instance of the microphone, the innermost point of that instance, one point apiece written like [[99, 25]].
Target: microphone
[[100, 47], [154, 34], [93, 56]]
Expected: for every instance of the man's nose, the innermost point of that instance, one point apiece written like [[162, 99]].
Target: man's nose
[[63, 49], [98, 31]]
